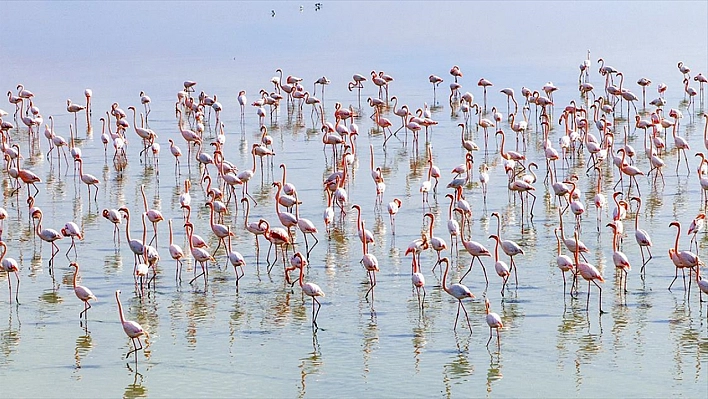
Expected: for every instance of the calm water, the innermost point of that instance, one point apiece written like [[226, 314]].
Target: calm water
[[259, 342]]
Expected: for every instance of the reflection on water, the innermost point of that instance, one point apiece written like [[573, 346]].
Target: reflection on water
[[135, 389], [459, 367], [370, 338], [310, 365], [494, 372], [84, 344], [10, 338]]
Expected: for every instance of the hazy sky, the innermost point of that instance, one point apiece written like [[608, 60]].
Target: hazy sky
[[109, 41]]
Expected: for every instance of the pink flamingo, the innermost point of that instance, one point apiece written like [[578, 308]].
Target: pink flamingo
[[494, 322], [312, 290], [642, 237], [457, 291], [9, 265], [371, 264], [82, 292], [589, 273], [132, 329], [681, 259]]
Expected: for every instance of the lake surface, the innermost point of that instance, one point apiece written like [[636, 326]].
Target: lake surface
[[210, 340]]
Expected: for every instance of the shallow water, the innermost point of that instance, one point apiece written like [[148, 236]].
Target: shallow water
[[212, 341]]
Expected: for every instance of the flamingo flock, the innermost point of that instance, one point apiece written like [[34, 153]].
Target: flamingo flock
[[200, 133]]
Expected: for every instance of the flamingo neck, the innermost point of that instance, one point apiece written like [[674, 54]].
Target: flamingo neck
[[76, 273], [444, 279], [120, 309], [302, 272]]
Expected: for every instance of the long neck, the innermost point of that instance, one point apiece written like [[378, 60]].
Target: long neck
[[170, 225], [189, 230], [277, 203], [678, 233], [636, 216], [145, 203], [444, 279], [76, 273], [127, 225], [302, 272], [38, 228], [432, 221], [120, 309], [135, 125], [144, 231]]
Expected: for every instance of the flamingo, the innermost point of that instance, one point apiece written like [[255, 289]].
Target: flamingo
[[82, 292], [312, 290], [200, 255], [3, 216], [89, 180], [696, 226], [364, 234], [72, 230], [136, 246], [509, 247], [453, 227], [681, 145], [371, 264], [306, 227], [475, 249], [500, 266], [176, 253], [176, 152], [74, 109], [437, 243], [253, 227], [220, 231], [153, 215], [494, 322], [48, 235], [457, 291], [484, 83], [418, 281], [589, 273], [618, 257], [642, 237], [435, 81], [185, 198], [510, 97], [681, 259], [564, 262], [702, 284], [237, 260], [393, 208], [132, 329], [9, 265]]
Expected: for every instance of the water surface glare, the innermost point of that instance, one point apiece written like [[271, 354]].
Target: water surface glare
[[210, 340]]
